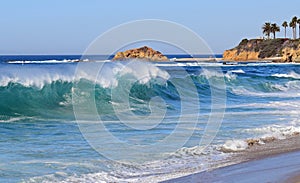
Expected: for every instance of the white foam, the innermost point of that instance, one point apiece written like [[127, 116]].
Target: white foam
[[212, 73], [43, 61], [283, 106], [143, 72], [262, 133], [178, 165], [275, 131], [13, 119], [289, 86], [268, 132], [192, 151], [30, 79], [290, 75], [109, 77], [235, 145], [245, 92], [239, 71], [188, 64]]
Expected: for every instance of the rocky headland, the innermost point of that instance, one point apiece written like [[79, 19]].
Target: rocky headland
[[143, 53], [280, 50]]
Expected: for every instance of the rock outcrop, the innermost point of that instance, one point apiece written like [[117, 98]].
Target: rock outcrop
[[285, 50], [291, 54], [252, 142], [239, 56], [143, 53]]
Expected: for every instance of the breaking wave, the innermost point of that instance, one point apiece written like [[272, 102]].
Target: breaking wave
[[47, 90], [292, 75]]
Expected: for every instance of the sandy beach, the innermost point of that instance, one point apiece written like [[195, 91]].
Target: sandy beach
[[294, 178], [277, 161]]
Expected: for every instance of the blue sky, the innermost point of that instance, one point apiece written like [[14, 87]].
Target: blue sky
[[69, 26]]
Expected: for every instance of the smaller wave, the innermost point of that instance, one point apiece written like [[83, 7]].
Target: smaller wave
[[267, 63], [190, 151], [234, 146], [90, 177], [269, 134], [245, 92], [291, 85], [239, 71], [214, 74], [44, 61], [275, 131], [286, 105], [187, 64], [156, 171], [289, 75], [8, 119], [153, 171]]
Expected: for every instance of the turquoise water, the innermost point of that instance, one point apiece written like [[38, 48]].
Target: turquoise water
[[42, 140]]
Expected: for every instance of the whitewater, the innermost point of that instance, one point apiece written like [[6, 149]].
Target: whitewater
[[42, 140]]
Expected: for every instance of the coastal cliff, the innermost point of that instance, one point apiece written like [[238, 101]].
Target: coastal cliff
[[144, 53], [282, 50]]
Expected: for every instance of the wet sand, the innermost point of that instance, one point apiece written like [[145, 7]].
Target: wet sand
[[276, 161], [294, 178]]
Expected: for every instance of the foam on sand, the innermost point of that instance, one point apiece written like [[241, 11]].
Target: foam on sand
[[272, 162], [234, 146]]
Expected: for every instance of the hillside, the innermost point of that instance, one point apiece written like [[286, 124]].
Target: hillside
[[286, 50]]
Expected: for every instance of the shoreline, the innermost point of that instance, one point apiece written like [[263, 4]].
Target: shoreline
[[273, 60], [195, 59], [295, 178], [270, 59], [246, 161], [276, 59]]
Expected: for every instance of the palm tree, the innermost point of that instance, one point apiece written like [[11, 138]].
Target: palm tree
[[285, 25], [298, 21], [267, 29], [293, 26], [275, 28]]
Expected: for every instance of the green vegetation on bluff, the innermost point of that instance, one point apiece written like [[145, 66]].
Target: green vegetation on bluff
[[267, 48]]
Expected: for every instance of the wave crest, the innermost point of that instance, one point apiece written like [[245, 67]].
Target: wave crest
[[292, 74]]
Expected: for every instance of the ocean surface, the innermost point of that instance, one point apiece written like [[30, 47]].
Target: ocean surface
[[49, 132]]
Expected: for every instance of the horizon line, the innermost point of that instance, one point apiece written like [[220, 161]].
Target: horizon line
[[41, 54]]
